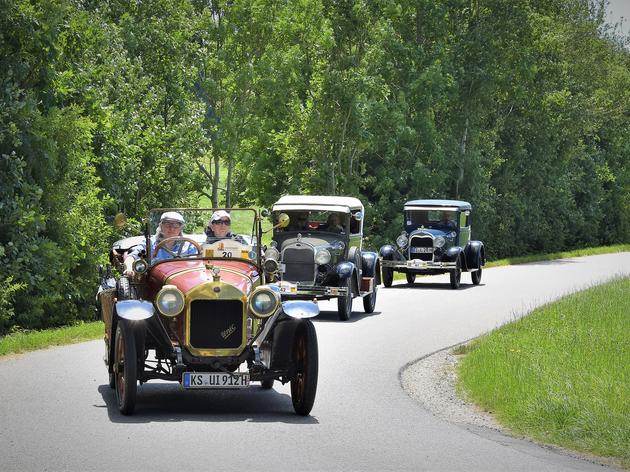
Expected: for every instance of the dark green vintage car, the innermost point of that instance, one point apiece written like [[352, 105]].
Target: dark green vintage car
[[317, 251], [436, 240]]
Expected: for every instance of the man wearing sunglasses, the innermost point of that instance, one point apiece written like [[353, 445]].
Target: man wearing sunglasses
[[170, 226], [219, 227]]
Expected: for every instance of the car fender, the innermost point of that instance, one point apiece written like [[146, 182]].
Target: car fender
[[345, 269], [134, 310], [300, 309], [388, 252], [475, 254], [452, 253], [369, 261]]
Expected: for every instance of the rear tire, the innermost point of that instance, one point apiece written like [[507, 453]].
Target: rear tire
[[411, 278], [476, 276], [125, 367], [344, 304], [305, 361], [388, 276]]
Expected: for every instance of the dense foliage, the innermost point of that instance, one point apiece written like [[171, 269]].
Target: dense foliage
[[520, 107]]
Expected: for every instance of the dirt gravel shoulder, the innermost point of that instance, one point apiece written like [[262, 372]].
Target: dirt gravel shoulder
[[431, 381]]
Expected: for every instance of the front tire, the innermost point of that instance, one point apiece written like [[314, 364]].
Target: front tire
[[125, 367], [456, 275], [369, 301], [344, 304], [411, 278], [388, 276], [476, 276], [305, 361]]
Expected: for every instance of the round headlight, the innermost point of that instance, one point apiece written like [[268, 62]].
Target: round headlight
[[170, 301], [322, 257], [270, 265], [272, 253], [140, 266], [401, 241], [264, 302], [439, 241]]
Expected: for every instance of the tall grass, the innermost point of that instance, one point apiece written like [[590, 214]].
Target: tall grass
[[562, 374], [31, 340]]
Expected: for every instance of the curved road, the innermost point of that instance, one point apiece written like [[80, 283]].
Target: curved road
[[57, 412]]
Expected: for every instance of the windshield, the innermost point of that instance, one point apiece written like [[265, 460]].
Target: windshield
[[439, 219], [212, 233], [313, 221]]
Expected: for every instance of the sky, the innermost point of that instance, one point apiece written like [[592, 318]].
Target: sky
[[618, 9]]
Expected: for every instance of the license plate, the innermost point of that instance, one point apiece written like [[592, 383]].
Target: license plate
[[416, 263], [215, 380], [422, 250]]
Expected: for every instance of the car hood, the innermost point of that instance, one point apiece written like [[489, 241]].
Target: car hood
[[317, 242], [435, 232], [186, 275]]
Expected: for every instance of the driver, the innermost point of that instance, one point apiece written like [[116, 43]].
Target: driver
[[219, 227], [171, 224]]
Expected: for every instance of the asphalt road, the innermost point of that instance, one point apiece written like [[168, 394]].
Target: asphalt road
[[57, 412]]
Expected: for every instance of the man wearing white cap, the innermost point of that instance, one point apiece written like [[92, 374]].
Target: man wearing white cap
[[219, 228], [171, 224]]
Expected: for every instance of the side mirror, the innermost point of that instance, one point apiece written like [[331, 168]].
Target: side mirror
[[283, 221], [358, 215], [265, 213]]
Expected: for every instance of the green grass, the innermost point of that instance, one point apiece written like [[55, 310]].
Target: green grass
[[31, 340], [589, 251], [561, 375]]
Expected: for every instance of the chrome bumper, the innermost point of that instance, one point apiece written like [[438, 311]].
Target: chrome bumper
[[417, 264]]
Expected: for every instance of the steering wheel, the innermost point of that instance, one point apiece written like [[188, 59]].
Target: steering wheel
[[162, 245]]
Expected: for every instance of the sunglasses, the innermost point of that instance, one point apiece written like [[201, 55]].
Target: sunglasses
[[221, 222], [171, 224]]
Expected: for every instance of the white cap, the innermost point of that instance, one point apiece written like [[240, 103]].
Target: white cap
[[173, 216], [217, 215]]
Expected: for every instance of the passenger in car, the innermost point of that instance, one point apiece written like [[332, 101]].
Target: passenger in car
[[219, 227], [333, 224], [171, 225]]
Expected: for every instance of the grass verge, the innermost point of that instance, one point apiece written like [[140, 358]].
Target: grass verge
[[23, 341], [561, 375]]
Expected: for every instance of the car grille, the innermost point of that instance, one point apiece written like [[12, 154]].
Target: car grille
[[216, 324], [299, 262], [421, 242]]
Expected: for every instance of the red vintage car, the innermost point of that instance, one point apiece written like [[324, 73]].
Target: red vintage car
[[196, 309]]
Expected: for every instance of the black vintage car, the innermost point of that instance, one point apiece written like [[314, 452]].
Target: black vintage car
[[436, 240], [201, 312], [316, 251]]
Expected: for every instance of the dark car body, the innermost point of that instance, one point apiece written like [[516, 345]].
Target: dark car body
[[436, 240], [208, 320], [318, 249]]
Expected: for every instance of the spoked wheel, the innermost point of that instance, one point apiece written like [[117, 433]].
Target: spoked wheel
[[266, 384], [476, 276], [456, 275], [388, 276], [344, 304], [305, 360], [411, 278], [125, 367]]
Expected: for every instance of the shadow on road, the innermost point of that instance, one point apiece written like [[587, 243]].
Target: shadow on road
[[333, 316], [163, 402], [433, 285]]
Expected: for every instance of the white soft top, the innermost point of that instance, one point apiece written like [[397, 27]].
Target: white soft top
[[317, 202]]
